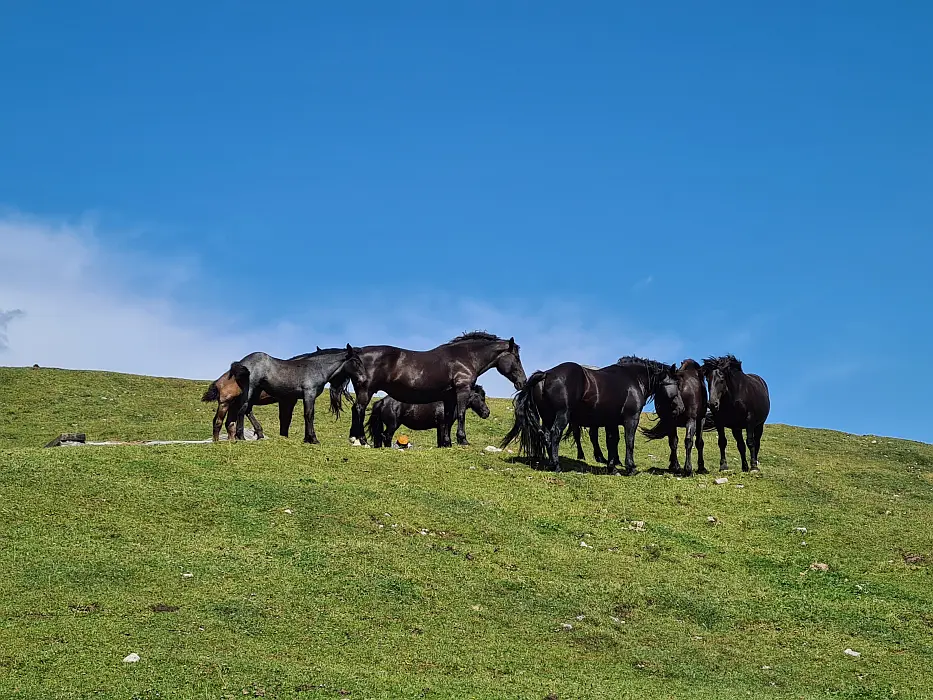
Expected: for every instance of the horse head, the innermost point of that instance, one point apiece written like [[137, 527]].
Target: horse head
[[509, 365], [478, 402], [720, 373]]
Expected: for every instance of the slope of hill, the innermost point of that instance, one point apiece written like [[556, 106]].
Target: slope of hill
[[334, 571]]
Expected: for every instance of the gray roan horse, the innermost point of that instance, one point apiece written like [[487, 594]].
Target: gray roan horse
[[388, 414], [290, 380], [737, 401], [447, 373]]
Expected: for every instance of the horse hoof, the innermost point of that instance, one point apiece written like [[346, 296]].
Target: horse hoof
[[616, 472], [723, 467]]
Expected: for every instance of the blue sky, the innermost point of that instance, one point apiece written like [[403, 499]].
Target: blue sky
[[594, 178]]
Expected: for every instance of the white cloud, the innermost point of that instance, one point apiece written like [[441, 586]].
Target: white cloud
[[66, 300]]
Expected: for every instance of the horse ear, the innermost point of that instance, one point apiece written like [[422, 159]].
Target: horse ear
[[673, 369], [512, 344], [318, 348], [349, 350]]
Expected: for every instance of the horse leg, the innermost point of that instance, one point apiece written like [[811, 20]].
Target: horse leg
[[723, 465], [257, 426], [286, 411], [463, 398], [688, 445], [673, 463], [357, 429], [612, 447], [576, 439], [219, 418], [239, 426], [597, 450], [309, 400], [450, 414], [701, 466], [631, 426], [391, 425], [740, 443], [557, 430], [757, 445]]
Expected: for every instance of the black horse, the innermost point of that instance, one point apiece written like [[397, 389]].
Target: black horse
[[388, 414], [737, 400], [692, 391], [570, 393], [289, 380], [447, 373]]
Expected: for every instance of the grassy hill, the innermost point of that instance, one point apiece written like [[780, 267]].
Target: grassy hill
[[443, 573]]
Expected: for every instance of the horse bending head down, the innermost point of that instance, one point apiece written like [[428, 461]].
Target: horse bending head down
[[662, 384], [509, 365]]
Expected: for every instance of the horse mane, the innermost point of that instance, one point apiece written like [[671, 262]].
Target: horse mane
[[725, 363], [690, 363], [655, 369], [477, 335], [318, 353], [653, 366]]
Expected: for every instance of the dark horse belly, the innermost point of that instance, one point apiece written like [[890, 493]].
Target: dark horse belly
[[416, 395], [422, 416]]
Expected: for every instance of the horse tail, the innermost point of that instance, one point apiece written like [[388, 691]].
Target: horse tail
[[212, 393], [338, 390], [659, 430], [374, 425], [527, 427], [240, 373], [709, 423]]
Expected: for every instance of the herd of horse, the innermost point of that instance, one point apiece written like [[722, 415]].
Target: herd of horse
[[434, 388]]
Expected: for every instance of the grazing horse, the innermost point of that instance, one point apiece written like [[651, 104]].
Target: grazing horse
[[446, 373], [572, 394], [737, 400], [289, 380], [692, 391], [388, 414], [226, 392]]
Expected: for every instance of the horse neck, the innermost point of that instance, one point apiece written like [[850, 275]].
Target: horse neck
[[333, 364], [487, 356]]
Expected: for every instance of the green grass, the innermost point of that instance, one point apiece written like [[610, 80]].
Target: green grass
[[348, 597]]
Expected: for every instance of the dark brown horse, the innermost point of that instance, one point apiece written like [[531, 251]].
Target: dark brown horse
[[737, 400], [388, 414], [692, 391], [572, 394], [447, 373]]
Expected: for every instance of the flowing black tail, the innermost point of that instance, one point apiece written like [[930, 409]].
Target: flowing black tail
[[374, 425], [338, 391], [709, 423], [659, 430], [527, 427], [240, 372], [212, 393]]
